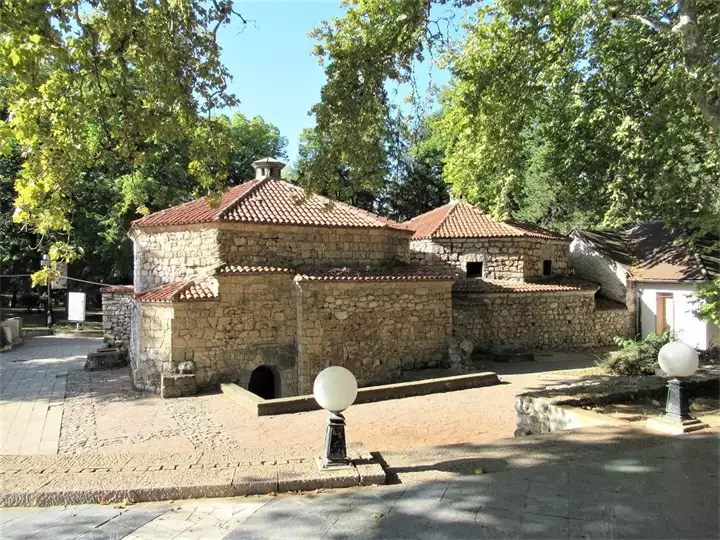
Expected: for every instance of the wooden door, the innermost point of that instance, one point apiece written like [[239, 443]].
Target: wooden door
[[665, 313]]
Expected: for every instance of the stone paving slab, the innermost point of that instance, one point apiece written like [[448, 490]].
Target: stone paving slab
[[113, 478]]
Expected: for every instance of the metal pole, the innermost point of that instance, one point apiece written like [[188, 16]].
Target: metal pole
[[49, 305]]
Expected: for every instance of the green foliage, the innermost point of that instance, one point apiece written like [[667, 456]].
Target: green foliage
[[708, 305], [573, 112], [636, 357], [96, 92]]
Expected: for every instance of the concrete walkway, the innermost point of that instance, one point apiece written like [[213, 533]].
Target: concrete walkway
[[33, 380], [623, 488]]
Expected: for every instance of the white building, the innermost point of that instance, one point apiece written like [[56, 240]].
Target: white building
[[644, 268]]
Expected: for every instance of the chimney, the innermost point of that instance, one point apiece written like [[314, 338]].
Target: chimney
[[268, 168]]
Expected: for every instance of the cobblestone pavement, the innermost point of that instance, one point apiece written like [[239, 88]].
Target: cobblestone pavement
[[669, 490], [49, 405]]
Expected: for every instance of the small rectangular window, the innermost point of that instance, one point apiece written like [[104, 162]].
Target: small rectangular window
[[547, 268], [474, 269]]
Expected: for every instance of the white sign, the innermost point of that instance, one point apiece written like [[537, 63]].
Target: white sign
[[76, 306], [61, 281]]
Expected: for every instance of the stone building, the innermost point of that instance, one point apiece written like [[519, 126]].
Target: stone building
[[268, 285], [517, 291]]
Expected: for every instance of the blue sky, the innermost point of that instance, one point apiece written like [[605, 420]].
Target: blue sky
[[274, 74]]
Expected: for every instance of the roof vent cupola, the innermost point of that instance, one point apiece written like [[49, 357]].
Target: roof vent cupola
[[268, 168]]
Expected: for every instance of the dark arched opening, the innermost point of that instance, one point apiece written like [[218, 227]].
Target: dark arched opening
[[262, 382]]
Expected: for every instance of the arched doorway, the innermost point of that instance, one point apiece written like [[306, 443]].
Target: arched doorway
[[263, 382]]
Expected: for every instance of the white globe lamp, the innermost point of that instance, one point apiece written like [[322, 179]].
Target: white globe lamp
[[677, 359], [335, 389]]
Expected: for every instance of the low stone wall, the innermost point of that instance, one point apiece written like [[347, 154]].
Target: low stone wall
[[557, 408], [117, 307], [536, 320], [375, 329], [502, 258]]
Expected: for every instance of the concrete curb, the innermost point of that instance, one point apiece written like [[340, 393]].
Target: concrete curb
[[92, 479], [265, 407]]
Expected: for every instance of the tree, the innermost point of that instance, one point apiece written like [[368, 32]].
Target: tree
[[251, 139], [105, 85], [610, 109], [418, 185]]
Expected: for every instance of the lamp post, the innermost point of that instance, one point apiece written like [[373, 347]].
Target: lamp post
[[677, 359], [335, 389], [45, 261]]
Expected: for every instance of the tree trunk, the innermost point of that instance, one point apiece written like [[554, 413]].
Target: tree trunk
[[687, 28]]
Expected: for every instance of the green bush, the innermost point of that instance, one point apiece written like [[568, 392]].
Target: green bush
[[636, 357], [4, 342]]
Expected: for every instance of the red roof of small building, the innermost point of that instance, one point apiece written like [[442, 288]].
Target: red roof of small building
[[396, 273], [485, 286], [268, 201], [462, 220], [178, 291]]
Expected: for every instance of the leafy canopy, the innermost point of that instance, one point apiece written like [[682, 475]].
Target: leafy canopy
[[106, 86], [608, 110]]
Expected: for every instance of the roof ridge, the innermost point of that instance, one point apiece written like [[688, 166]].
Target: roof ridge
[[452, 206], [221, 213]]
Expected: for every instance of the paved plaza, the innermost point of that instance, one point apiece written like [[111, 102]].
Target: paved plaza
[[665, 490], [50, 405]]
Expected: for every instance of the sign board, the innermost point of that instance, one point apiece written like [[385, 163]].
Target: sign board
[[76, 306], [61, 281]]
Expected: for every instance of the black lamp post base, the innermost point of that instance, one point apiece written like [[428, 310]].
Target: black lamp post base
[[335, 452], [324, 465], [677, 419], [673, 426]]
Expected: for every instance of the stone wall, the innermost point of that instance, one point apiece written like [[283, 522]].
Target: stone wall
[[525, 321], [117, 308], [516, 259], [590, 264], [291, 246], [171, 254], [253, 323], [151, 348], [375, 329]]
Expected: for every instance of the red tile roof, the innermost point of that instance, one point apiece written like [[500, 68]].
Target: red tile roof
[[462, 220], [178, 291], [388, 274], [269, 201], [484, 286], [232, 269], [118, 289]]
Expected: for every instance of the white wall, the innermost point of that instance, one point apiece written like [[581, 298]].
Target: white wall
[[592, 265], [687, 327]]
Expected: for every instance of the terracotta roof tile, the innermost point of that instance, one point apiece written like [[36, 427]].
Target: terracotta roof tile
[[178, 291], [462, 220], [485, 286], [118, 289], [198, 211], [269, 201], [232, 269], [388, 274]]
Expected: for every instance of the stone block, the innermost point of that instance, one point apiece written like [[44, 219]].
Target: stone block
[[173, 385], [106, 359]]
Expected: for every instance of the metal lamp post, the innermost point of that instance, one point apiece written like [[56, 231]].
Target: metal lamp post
[[45, 261], [335, 389], [677, 359]]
